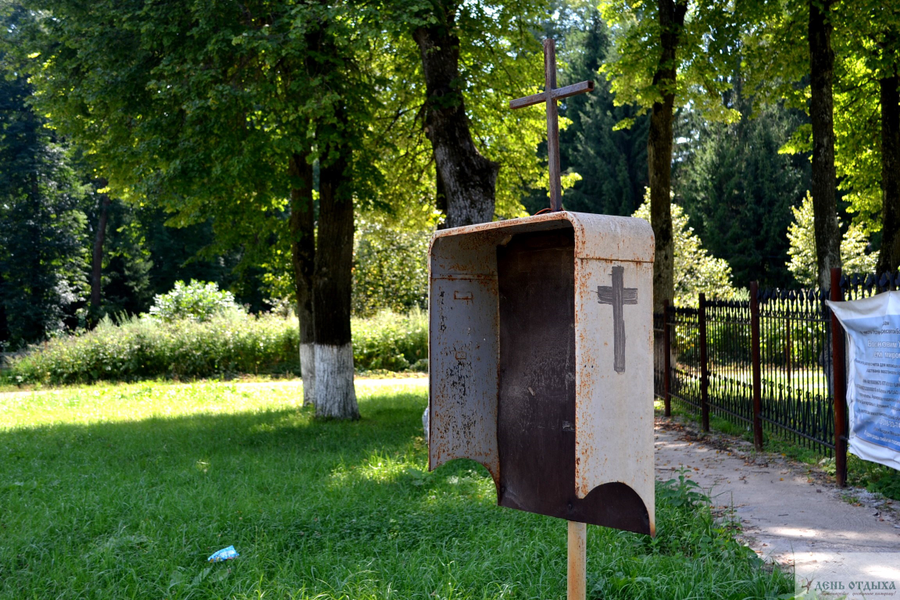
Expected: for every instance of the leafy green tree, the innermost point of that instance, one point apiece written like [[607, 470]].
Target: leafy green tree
[[836, 60], [867, 119], [695, 270], [42, 224], [669, 53], [218, 112], [821, 114], [792, 56], [445, 111], [802, 251]]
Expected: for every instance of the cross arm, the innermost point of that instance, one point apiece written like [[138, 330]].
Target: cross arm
[[556, 94], [574, 89], [528, 100]]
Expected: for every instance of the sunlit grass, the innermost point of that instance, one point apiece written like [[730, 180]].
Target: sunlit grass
[[124, 491]]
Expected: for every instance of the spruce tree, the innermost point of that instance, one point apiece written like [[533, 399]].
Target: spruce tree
[[42, 225]]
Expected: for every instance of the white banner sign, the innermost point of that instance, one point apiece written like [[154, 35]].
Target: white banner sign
[[873, 376]]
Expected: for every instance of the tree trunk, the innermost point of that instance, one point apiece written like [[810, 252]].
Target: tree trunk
[[821, 114], [4, 326], [335, 395], [467, 177], [659, 151], [97, 259], [303, 259], [889, 258]]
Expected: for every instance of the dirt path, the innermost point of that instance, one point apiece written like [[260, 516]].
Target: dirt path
[[791, 512]]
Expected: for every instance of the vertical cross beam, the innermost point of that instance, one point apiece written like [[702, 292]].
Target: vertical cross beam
[[618, 296], [549, 96]]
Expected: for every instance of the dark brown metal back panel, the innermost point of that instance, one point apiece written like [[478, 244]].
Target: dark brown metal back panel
[[536, 416]]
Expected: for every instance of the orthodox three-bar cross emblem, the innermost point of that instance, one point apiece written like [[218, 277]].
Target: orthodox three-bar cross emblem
[[618, 296], [550, 95]]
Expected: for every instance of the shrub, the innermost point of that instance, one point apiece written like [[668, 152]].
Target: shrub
[[145, 348], [197, 301], [390, 269], [231, 342], [391, 341]]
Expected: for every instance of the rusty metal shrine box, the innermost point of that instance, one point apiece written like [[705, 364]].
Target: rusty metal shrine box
[[541, 363]]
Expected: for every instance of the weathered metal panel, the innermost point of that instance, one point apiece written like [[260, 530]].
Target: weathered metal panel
[[614, 400], [463, 355], [623, 239]]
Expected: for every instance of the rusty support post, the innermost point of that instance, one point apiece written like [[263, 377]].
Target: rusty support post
[[577, 571], [667, 360], [757, 377], [552, 125], [704, 366], [838, 367]]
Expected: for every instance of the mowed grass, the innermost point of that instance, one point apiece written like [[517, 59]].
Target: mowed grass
[[123, 492]]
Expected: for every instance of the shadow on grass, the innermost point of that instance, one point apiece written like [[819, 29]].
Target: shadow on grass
[[316, 509]]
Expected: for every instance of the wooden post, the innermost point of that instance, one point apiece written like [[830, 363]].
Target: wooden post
[[667, 360], [755, 359], [577, 571], [838, 367], [704, 366]]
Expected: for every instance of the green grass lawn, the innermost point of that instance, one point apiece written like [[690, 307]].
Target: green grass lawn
[[124, 491]]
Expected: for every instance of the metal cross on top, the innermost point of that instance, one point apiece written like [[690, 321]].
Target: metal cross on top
[[550, 95]]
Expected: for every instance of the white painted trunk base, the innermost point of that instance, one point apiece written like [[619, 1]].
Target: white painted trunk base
[[335, 394], [308, 372]]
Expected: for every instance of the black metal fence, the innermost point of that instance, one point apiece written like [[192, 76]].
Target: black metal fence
[[766, 364]]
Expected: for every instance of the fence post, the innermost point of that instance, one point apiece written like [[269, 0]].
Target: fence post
[[704, 366], [667, 360], [757, 377], [838, 368]]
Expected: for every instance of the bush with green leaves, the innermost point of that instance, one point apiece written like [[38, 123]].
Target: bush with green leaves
[[146, 348], [391, 342], [390, 269], [197, 301], [801, 234], [229, 343]]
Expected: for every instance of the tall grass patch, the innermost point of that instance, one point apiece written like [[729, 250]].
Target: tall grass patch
[[123, 492], [391, 341], [227, 343], [145, 348]]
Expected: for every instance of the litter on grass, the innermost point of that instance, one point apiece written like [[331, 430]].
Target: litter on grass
[[224, 554]]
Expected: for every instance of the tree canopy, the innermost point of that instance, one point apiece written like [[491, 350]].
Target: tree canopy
[[262, 143]]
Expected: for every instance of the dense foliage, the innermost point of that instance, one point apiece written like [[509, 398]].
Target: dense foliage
[[855, 253], [43, 228], [163, 136], [390, 269], [145, 348], [196, 301], [224, 344], [696, 271], [739, 190]]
